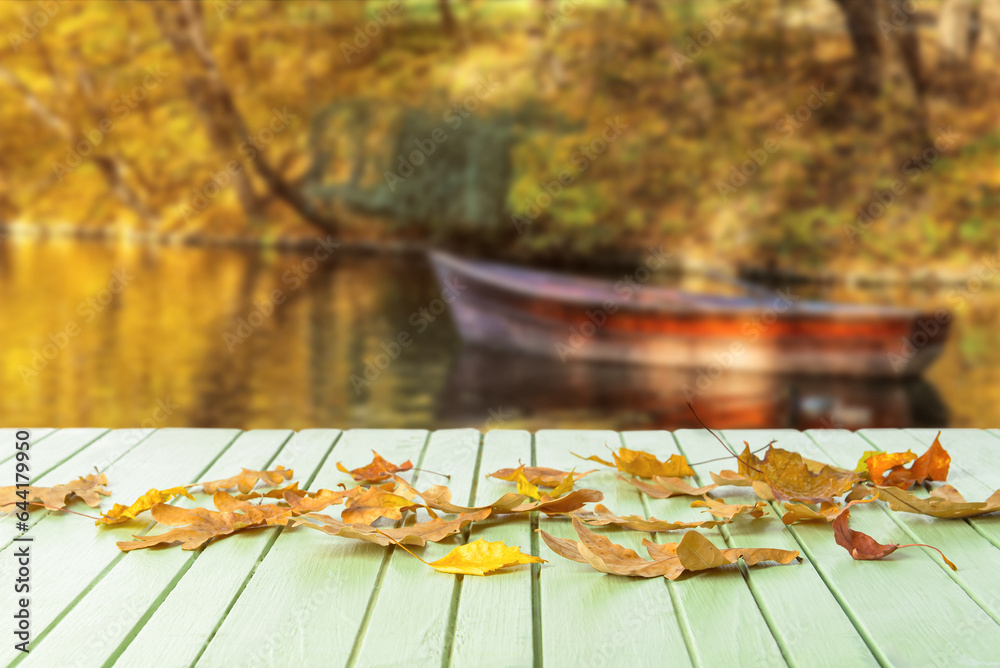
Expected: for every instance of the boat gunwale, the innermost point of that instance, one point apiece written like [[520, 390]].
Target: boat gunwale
[[493, 274]]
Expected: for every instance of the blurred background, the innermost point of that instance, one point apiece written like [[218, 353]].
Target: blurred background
[[218, 213]]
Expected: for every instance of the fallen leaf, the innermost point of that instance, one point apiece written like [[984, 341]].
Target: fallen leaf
[[481, 557], [314, 502], [88, 489], [729, 511], [564, 487], [790, 477], [120, 513], [542, 477], [733, 478], [415, 534], [645, 465], [524, 486], [863, 547], [246, 480], [877, 463], [694, 552], [276, 493], [202, 525], [664, 488], [374, 503], [601, 516], [379, 469], [944, 502], [932, 465], [798, 512], [438, 497]]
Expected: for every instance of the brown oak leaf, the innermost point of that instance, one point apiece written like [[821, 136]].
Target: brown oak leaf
[[88, 489], [791, 477], [246, 480]]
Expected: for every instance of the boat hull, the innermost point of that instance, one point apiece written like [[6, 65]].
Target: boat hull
[[547, 314]]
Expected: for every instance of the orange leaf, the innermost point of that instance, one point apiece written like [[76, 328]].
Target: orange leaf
[[536, 475], [379, 470], [645, 465], [932, 465], [201, 525], [879, 463]]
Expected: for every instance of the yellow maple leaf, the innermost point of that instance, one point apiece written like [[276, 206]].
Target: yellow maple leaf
[[480, 558], [120, 513]]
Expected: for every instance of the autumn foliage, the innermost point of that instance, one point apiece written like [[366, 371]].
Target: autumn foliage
[[383, 509]]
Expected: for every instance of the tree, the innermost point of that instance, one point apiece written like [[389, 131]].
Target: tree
[[182, 24]]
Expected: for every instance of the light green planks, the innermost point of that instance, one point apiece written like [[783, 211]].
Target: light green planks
[[70, 554], [145, 574], [802, 615], [493, 624], [8, 436], [70, 453], [979, 564], [412, 599], [890, 601], [588, 618], [179, 630], [306, 601]]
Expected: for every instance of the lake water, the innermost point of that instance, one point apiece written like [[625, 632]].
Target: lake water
[[122, 336]]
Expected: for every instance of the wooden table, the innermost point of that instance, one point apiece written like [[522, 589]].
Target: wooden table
[[297, 597]]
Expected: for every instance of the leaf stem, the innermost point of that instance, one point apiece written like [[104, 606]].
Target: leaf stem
[[398, 544], [946, 559], [443, 475], [64, 510]]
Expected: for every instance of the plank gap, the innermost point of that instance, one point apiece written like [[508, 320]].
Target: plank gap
[[536, 575], [352, 659]]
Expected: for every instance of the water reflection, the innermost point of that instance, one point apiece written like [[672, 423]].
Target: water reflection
[[223, 337], [516, 387]]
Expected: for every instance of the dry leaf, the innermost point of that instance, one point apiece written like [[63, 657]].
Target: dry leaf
[[88, 489], [797, 512], [536, 475], [863, 547], [944, 502], [733, 478], [729, 511], [374, 503], [877, 463], [246, 480], [694, 552], [664, 488], [601, 516], [564, 487], [276, 493], [415, 534], [120, 513], [524, 486], [202, 525], [790, 477], [438, 497], [932, 465], [313, 502], [481, 557], [644, 464], [377, 471]]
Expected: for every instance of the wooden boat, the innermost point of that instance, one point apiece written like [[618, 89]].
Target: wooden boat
[[568, 317]]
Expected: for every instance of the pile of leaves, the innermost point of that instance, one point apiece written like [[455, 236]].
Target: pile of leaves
[[382, 508]]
